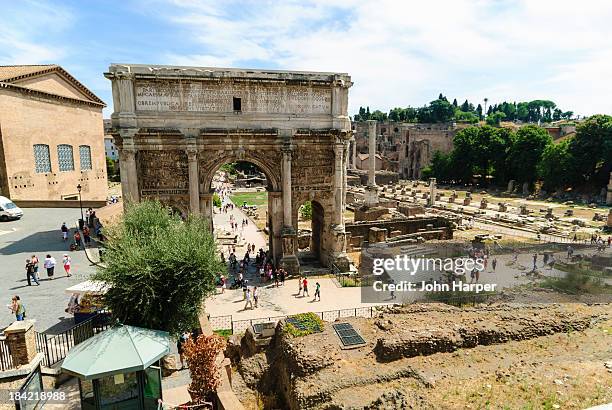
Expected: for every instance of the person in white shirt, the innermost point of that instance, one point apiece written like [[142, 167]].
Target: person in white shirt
[[50, 266], [248, 299]]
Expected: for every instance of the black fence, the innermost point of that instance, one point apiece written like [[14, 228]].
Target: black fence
[[56, 347], [351, 279], [239, 326], [6, 360]]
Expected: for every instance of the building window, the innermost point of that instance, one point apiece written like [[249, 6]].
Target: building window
[[237, 104], [85, 157], [42, 158], [65, 157]]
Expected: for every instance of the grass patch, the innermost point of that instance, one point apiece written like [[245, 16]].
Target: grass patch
[[251, 198], [226, 333], [310, 321], [579, 279]]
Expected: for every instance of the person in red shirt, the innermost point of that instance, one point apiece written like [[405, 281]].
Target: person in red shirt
[[306, 287]]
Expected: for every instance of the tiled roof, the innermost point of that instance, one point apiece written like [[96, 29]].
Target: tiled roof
[[8, 72], [11, 73]]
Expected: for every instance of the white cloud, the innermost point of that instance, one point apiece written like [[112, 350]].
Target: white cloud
[[25, 30], [402, 53]]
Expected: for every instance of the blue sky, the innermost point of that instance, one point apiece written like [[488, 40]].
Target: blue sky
[[398, 53]]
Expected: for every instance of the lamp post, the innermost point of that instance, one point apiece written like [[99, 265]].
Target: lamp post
[[80, 202]]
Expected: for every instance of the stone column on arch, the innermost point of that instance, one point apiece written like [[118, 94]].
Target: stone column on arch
[[339, 172], [289, 260], [127, 165], [206, 208], [286, 179], [194, 180]]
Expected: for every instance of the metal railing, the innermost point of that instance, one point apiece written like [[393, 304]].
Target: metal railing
[[238, 326], [6, 360], [56, 347], [346, 279]]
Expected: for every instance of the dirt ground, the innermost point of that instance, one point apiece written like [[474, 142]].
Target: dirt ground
[[571, 369]]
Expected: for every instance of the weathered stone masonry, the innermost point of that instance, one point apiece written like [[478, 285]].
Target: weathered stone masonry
[[176, 126]]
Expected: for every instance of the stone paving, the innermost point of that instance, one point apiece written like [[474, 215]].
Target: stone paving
[[275, 301], [38, 232]]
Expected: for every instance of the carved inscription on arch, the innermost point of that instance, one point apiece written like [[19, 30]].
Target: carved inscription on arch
[[163, 172], [200, 96]]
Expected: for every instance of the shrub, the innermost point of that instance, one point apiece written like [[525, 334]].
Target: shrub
[[310, 321], [159, 268], [201, 355]]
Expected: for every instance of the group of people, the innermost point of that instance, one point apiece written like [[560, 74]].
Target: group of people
[[49, 264], [78, 240], [303, 288]]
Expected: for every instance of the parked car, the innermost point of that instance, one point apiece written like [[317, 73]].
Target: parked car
[[8, 210]]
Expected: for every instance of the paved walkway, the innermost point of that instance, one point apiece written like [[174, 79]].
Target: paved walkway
[[249, 234], [38, 232]]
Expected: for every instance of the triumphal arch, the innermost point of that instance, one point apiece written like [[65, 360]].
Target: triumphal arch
[[176, 126]]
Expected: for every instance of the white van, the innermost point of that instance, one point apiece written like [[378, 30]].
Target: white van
[[8, 210]]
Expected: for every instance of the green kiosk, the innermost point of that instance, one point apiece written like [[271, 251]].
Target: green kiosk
[[118, 369]]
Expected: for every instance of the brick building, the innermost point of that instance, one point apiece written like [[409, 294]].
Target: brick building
[[406, 148], [51, 138]]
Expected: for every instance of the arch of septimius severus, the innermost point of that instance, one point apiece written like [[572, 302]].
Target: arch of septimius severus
[[176, 126]]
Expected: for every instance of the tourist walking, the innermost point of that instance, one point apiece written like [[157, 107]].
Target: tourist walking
[[67, 262], [317, 291], [64, 230], [282, 277], [17, 308], [180, 343], [300, 284], [86, 235], [49, 264], [256, 295], [30, 274], [247, 296], [535, 260], [35, 261], [77, 239], [494, 263], [306, 287]]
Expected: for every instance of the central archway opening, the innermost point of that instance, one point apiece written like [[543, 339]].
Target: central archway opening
[[241, 214]]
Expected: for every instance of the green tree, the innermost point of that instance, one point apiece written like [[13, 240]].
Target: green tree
[[216, 200], [479, 111], [466, 117], [441, 110], [378, 116], [306, 211], [159, 268], [113, 170], [526, 152], [557, 165], [495, 118], [591, 149], [440, 168]]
